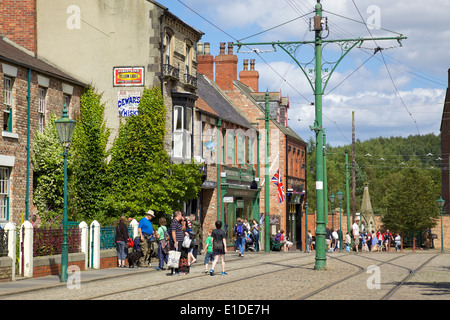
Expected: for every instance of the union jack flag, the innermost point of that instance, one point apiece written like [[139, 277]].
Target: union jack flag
[[277, 180]]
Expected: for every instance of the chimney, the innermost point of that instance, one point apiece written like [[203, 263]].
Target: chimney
[[226, 67], [250, 77], [205, 61]]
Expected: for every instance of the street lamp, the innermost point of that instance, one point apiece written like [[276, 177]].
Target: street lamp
[[340, 195], [65, 127], [332, 198], [441, 205], [306, 227]]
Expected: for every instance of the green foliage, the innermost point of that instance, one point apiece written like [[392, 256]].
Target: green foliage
[[88, 185], [382, 162], [140, 173], [48, 172], [412, 204]]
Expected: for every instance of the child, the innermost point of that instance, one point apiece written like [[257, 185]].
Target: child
[[219, 240], [209, 251]]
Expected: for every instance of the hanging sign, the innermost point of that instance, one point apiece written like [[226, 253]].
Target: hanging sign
[[129, 76]]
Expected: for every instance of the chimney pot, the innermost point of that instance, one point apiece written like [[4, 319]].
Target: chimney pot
[[245, 65], [207, 48], [222, 48], [230, 48], [252, 65], [200, 48]]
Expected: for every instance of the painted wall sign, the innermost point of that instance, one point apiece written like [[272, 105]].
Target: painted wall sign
[[129, 76], [128, 103]]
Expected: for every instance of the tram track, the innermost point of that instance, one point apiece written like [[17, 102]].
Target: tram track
[[177, 279]]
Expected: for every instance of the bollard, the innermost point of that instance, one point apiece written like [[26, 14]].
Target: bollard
[[10, 228], [84, 229]]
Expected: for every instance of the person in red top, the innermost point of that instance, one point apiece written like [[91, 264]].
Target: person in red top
[[282, 240]]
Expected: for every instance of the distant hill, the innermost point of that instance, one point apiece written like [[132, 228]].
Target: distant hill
[[379, 161]]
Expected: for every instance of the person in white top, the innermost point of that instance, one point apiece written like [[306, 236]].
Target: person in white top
[[355, 228]]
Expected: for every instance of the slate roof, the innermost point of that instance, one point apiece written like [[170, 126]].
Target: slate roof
[[211, 94], [11, 54]]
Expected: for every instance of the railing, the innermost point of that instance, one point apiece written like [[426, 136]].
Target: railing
[[3, 243], [171, 71], [47, 242], [190, 80], [108, 236]]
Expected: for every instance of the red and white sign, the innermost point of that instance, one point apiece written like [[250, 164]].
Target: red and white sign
[[129, 76]]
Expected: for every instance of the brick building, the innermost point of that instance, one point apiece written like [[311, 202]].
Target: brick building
[[21, 76], [287, 149], [445, 172]]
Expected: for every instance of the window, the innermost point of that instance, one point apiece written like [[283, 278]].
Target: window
[[231, 146], [187, 62], [250, 150], [182, 132], [8, 101], [240, 149], [4, 194], [168, 40], [41, 108]]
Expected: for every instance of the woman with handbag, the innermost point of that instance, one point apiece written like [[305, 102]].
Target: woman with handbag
[[163, 244], [122, 242]]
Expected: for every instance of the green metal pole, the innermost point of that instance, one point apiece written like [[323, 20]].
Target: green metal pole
[[27, 197], [266, 181], [347, 191], [65, 244], [325, 181], [320, 229], [306, 228]]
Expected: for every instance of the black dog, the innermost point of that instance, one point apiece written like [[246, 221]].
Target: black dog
[[134, 258]]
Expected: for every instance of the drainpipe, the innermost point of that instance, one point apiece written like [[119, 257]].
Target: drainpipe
[[218, 136], [27, 197]]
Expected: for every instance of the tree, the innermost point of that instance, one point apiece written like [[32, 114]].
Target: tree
[[48, 173], [88, 185], [412, 203], [140, 173]]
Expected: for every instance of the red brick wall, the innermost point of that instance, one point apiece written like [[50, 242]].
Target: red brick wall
[[17, 147], [226, 68], [18, 22]]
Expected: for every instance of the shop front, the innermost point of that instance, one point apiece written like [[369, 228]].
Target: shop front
[[240, 199]]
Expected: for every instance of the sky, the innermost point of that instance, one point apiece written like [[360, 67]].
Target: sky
[[398, 91]]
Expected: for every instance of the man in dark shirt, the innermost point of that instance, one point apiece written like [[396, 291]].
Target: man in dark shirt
[[177, 234], [219, 240]]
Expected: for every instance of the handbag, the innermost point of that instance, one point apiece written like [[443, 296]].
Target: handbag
[[174, 259], [186, 242], [130, 243]]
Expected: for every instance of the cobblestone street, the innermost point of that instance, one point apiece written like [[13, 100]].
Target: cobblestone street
[[259, 276]]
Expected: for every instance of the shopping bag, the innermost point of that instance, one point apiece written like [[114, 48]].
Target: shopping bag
[[174, 259]]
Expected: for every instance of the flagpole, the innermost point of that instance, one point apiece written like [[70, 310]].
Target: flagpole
[[266, 186]]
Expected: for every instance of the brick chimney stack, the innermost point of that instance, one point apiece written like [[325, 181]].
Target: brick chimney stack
[[250, 77], [226, 67], [205, 61]]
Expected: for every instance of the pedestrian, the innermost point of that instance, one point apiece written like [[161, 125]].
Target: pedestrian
[[335, 240], [197, 230], [283, 241], [380, 241], [255, 232], [177, 237], [355, 229], [219, 240], [145, 229], [122, 242], [348, 242], [208, 251], [374, 241], [162, 237], [387, 240], [240, 231], [369, 241], [398, 241], [328, 239], [184, 265], [309, 241]]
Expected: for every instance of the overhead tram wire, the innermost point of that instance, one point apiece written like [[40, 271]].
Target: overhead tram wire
[[387, 69]]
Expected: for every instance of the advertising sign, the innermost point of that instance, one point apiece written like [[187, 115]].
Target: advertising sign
[[128, 103], [129, 76]]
